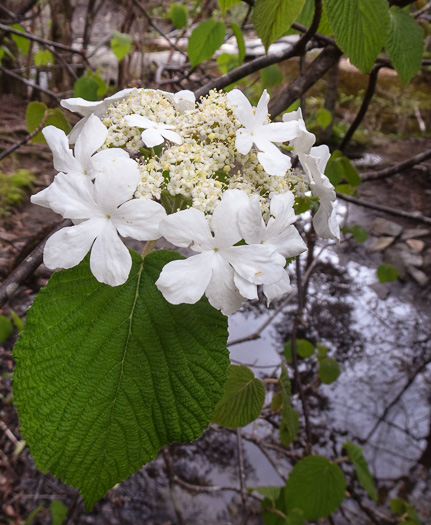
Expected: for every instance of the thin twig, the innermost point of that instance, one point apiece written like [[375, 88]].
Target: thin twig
[[26, 139], [414, 216], [424, 9], [369, 93], [152, 24], [171, 477], [396, 168], [241, 470], [29, 83], [11, 284]]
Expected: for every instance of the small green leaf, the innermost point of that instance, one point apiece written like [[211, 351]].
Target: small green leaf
[[360, 29], [17, 321], [346, 189], [35, 113], [43, 57], [324, 118], [272, 18], [30, 518], [403, 508], [227, 4], [240, 41], [405, 44], [295, 517], [329, 370], [277, 401], [58, 512], [242, 400], [226, 63], [361, 467], [86, 88], [316, 486], [6, 328], [179, 15], [271, 76], [106, 376], [121, 44], [303, 348], [204, 41], [387, 273], [22, 42], [322, 350], [272, 493], [359, 233]]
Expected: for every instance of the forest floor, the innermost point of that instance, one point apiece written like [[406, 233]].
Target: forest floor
[[22, 487]]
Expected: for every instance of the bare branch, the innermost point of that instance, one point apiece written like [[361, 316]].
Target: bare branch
[[414, 216], [31, 84], [26, 139], [396, 168]]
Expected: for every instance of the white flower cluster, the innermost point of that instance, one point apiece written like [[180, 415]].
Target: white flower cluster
[[210, 176]]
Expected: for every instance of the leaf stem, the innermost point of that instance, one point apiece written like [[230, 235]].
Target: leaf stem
[[148, 248]]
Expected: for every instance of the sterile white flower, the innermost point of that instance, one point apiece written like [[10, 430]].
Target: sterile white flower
[[154, 133], [257, 131], [183, 100], [100, 210], [81, 161], [226, 273], [278, 232], [313, 160], [85, 108]]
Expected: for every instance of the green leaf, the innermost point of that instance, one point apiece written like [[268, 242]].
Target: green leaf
[[227, 62], [277, 401], [17, 321], [324, 118], [179, 15], [106, 376], [58, 512], [204, 41], [289, 423], [403, 508], [6, 328], [121, 44], [30, 518], [303, 348], [316, 486], [361, 467], [359, 233], [227, 4], [22, 42], [387, 273], [295, 517], [360, 28], [272, 493], [86, 88], [240, 41], [346, 189], [272, 18], [35, 113], [329, 370], [405, 44], [271, 76], [242, 400], [43, 57]]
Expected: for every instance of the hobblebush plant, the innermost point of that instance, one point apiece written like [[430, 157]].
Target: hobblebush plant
[[124, 353]]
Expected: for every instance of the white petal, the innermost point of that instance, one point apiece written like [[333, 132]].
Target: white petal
[[325, 221], [277, 290], [140, 219], [76, 130], [172, 136], [116, 184], [246, 289], [261, 113], [282, 214], [323, 154], [221, 291], [241, 107], [152, 137], [98, 160], [138, 121], [250, 222], [42, 198], [67, 247], [273, 161], [81, 106], [185, 281], [188, 228], [72, 196], [110, 260], [276, 132], [244, 141], [90, 139], [289, 242], [63, 158], [224, 222], [305, 139], [258, 264]]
